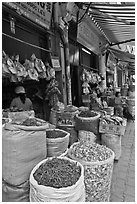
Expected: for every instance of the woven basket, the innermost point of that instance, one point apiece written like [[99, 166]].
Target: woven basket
[[97, 177], [86, 136], [87, 123]]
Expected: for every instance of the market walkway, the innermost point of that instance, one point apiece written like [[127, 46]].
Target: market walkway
[[123, 179]]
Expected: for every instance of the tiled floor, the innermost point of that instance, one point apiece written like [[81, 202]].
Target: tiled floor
[[123, 179]]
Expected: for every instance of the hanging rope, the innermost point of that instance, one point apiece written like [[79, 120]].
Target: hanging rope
[[25, 42]]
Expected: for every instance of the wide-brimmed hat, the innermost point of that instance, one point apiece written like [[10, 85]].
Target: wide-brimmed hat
[[19, 89]]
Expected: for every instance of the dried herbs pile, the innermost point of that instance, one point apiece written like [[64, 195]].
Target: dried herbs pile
[[13, 109], [87, 114], [97, 176], [91, 152], [57, 173], [55, 134], [32, 122]]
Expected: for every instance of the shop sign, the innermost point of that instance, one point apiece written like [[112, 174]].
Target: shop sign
[[38, 12], [56, 63], [87, 37]]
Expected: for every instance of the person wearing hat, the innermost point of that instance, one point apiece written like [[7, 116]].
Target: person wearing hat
[[21, 102]]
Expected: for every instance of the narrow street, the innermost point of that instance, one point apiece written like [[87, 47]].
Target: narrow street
[[123, 180]]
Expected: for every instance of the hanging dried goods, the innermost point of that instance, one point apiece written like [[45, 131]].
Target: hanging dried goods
[[32, 68]]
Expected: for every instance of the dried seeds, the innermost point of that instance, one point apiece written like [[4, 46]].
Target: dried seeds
[[97, 176]]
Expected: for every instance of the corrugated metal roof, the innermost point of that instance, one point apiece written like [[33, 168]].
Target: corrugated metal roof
[[117, 21]]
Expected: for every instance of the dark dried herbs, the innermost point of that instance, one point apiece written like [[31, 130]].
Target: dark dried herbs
[[32, 122], [87, 114], [57, 173], [55, 134]]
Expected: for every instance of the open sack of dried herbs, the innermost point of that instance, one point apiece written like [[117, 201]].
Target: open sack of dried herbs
[[17, 115], [57, 179], [57, 142], [88, 121], [98, 166]]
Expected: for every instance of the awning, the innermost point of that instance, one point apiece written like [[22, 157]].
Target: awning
[[124, 56], [115, 21]]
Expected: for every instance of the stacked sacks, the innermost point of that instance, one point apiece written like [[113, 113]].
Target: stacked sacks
[[66, 122], [112, 128], [23, 147]]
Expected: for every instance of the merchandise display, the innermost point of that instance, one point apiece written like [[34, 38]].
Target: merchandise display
[[57, 179], [98, 167], [57, 141], [57, 173]]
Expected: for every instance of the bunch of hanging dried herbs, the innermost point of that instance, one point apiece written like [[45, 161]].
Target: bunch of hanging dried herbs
[[57, 173]]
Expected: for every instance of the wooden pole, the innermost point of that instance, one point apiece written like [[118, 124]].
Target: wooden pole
[[68, 77]]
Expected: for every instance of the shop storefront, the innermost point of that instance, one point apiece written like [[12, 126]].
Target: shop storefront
[[25, 35], [84, 55]]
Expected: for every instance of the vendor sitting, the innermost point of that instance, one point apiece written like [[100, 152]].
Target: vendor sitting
[[118, 104], [21, 101]]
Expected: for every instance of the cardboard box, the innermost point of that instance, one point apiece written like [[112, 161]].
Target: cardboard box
[[111, 128]]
